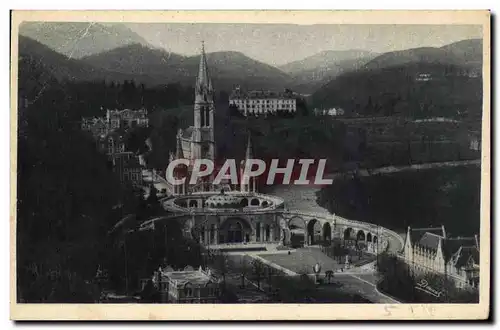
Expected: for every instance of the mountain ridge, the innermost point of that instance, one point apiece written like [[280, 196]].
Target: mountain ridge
[[466, 52], [227, 68], [79, 39]]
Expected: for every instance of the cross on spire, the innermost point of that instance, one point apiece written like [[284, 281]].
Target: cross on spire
[[203, 81]]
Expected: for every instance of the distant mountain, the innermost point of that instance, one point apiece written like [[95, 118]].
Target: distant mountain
[[136, 59], [41, 58], [57, 65], [324, 60], [415, 89], [226, 68], [80, 39], [314, 71], [470, 51], [463, 53]]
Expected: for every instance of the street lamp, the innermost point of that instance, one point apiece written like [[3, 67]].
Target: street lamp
[[316, 270]]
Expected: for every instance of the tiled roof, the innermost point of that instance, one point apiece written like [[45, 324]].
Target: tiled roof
[[430, 241], [417, 234]]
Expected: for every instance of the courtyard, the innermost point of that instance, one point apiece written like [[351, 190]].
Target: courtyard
[[302, 260]]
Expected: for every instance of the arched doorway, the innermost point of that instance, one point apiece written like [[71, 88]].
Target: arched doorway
[[360, 236], [234, 230], [297, 228], [264, 204], [193, 203], [327, 232], [254, 202], [369, 237], [347, 233], [313, 232], [244, 202]]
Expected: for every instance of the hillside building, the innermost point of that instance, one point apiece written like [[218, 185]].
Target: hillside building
[[109, 133], [115, 119], [262, 102], [128, 167], [329, 112], [127, 118]]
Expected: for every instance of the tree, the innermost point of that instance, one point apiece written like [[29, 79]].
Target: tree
[[152, 199], [220, 262], [257, 268], [302, 107], [329, 275], [395, 278]]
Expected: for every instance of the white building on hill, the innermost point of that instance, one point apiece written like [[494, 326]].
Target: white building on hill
[[262, 102]]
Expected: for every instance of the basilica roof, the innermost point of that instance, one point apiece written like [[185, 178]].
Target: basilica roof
[[223, 199]]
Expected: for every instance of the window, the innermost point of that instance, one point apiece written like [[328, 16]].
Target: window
[[212, 232], [110, 145], [188, 291]]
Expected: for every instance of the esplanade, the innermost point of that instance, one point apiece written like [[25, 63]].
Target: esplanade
[[237, 219]]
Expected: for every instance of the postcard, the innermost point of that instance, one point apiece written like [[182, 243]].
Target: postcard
[[250, 165]]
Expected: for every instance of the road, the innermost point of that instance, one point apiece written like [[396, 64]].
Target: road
[[363, 285]]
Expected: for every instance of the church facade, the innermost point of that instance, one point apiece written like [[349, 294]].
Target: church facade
[[198, 141]]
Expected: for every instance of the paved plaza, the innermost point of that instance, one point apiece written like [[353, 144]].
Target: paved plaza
[[302, 260]]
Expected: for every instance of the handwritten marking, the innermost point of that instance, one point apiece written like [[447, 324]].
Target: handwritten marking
[[423, 286]]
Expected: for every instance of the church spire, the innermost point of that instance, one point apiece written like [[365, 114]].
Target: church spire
[[249, 153], [179, 154], [203, 81]]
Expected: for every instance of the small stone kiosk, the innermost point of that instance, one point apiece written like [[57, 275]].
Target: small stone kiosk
[[187, 286]]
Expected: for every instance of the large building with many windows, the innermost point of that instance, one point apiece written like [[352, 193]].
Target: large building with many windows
[[127, 118], [110, 133], [115, 119], [430, 250], [262, 102]]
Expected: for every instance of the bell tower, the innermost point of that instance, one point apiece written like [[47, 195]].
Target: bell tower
[[203, 139]]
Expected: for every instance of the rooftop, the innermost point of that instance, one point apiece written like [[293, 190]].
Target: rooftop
[[193, 277], [237, 94], [417, 234]]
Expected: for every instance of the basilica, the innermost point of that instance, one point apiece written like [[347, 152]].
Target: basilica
[[198, 141]]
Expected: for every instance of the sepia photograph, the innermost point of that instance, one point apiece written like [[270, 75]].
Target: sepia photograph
[[274, 161]]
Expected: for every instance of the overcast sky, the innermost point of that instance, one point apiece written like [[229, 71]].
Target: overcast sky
[[278, 44]]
